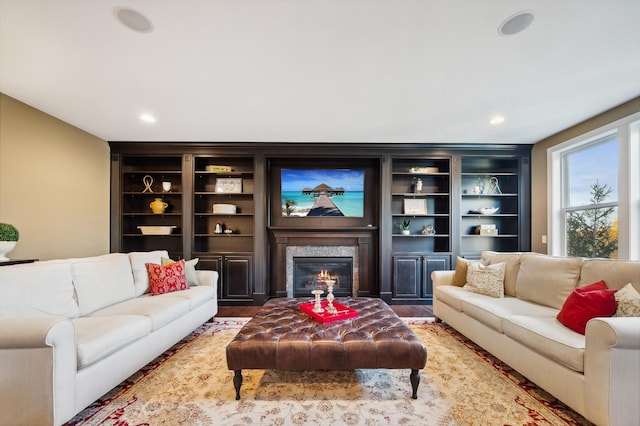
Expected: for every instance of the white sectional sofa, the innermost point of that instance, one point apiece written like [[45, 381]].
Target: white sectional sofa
[[596, 374], [72, 329]]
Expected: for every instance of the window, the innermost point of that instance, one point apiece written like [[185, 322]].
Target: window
[[594, 189], [590, 201]]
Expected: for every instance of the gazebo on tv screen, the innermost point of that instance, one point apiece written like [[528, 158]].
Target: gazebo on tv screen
[[322, 192]]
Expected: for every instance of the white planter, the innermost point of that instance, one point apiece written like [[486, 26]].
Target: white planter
[[6, 247], [406, 232]]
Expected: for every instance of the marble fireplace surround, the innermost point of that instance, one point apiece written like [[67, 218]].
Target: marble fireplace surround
[[357, 243]]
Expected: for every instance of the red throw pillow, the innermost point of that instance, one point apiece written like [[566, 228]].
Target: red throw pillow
[[168, 278], [600, 285], [585, 303]]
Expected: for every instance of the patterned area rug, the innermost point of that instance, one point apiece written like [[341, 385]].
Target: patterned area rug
[[461, 385]]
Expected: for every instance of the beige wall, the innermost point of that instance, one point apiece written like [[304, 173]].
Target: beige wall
[[539, 166], [54, 184]]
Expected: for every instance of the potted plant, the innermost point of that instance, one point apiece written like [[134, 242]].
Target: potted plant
[[9, 236], [405, 226]]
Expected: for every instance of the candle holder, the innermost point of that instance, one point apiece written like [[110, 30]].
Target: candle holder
[[317, 308], [330, 308]]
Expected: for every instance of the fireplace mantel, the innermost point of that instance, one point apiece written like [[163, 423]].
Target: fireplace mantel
[[361, 238]]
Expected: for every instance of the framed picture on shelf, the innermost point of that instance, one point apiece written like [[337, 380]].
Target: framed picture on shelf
[[229, 185], [415, 206]]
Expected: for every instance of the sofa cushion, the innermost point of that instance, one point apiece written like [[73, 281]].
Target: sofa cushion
[[547, 280], [586, 303], [161, 310], [548, 337], [487, 280], [165, 279], [512, 267], [628, 302], [37, 290], [138, 260], [617, 273], [102, 281], [98, 337], [196, 295], [491, 311], [189, 269], [453, 296]]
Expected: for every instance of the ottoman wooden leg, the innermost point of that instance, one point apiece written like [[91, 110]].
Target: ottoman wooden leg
[[414, 377], [237, 382]]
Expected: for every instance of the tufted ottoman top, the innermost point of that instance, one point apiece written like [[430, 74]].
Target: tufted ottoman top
[[282, 337]]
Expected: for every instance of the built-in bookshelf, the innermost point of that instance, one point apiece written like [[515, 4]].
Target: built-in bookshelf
[[490, 205]]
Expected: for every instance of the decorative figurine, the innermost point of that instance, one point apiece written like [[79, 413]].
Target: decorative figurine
[[494, 188], [428, 230], [418, 185], [330, 308], [317, 307], [148, 181]]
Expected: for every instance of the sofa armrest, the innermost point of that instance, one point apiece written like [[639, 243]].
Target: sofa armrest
[[442, 278], [612, 370], [208, 278], [39, 365]]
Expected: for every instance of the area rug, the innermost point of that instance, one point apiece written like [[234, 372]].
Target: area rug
[[461, 385]]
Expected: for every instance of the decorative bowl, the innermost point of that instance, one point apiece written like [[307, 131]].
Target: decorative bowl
[[487, 210], [156, 230]]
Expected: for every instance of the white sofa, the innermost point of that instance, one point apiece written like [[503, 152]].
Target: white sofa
[[596, 374], [72, 329]]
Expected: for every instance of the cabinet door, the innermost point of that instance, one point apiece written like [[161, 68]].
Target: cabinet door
[[213, 263], [407, 276], [433, 263], [238, 282]]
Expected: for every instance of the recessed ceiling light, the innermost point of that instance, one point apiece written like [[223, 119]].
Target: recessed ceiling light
[[498, 119], [515, 23], [147, 118], [133, 20]]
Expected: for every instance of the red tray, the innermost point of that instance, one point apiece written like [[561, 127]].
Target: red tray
[[344, 312]]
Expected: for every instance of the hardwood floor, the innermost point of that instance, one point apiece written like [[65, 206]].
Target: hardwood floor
[[401, 310]]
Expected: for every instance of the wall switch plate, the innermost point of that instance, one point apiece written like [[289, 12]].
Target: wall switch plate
[[544, 239]]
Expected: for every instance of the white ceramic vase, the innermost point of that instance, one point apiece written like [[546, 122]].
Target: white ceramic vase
[[5, 248]]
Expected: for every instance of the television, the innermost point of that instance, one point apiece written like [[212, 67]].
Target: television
[[322, 192]]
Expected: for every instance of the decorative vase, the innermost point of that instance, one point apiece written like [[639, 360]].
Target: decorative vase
[[5, 248], [158, 206]]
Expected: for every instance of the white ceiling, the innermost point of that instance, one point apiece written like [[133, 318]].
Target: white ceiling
[[321, 70]]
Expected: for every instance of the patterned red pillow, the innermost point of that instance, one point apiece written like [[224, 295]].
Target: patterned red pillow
[[168, 278]]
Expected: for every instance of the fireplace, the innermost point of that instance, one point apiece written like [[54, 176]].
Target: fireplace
[[308, 255], [310, 273], [355, 245]]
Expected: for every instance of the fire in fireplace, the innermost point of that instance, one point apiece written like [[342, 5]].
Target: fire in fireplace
[[310, 273]]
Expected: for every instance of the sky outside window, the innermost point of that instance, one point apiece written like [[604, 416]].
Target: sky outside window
[[598, 163]]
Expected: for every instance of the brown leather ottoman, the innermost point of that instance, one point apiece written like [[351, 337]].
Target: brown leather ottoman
[[281, 337]]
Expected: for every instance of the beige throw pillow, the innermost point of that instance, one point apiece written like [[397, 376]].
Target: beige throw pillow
[[487, 280], [460, 276], [628, 300]]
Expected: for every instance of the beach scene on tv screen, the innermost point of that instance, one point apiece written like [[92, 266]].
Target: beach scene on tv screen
[[322, 192]]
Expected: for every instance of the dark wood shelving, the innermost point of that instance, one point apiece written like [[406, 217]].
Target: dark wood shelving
[[398, 267]]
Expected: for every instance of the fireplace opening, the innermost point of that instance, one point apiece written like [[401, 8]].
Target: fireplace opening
[[310, 273]]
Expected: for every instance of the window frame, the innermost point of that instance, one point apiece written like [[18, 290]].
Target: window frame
[[627, 132]]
